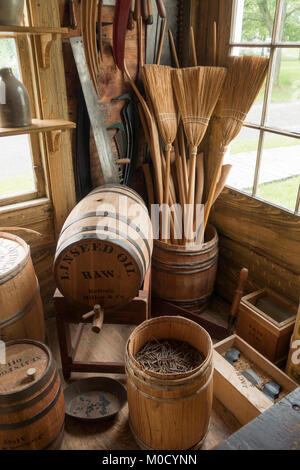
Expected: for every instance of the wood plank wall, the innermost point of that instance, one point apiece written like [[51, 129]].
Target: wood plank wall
[[252, 233]]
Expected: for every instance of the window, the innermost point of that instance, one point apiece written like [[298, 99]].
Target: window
[[21, 170], [266, 154]]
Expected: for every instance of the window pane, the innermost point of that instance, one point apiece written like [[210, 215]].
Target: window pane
[[290, 31], [254, 20], [16, 173], [9, 56], [284, 108], [279, 175], [16, 170], [242, 156]]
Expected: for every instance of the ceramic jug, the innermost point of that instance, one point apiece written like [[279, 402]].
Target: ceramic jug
[[11, 12], [14, 101]]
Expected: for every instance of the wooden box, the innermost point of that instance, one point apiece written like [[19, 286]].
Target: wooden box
[[266, 321], [234, 391]]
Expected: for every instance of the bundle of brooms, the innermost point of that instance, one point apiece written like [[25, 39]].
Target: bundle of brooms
[[180, 104]]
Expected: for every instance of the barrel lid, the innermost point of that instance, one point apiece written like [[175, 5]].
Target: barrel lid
[[26, 363], [13, 253]]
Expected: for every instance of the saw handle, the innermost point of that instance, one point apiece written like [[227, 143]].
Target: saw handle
[[237, 297]]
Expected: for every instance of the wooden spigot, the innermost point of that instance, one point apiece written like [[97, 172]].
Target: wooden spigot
[[237, 298], [98, 318]]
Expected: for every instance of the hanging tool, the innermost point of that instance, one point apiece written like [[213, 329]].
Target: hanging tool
[[119, 34], [237, 299], [100, 25], [106, 158], [150, 12], [130, 24], [72, 14], [161, 8]]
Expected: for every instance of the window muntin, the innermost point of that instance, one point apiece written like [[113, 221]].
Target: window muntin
[[271, 29]]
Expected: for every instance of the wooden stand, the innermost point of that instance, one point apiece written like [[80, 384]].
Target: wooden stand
[[137, 311]]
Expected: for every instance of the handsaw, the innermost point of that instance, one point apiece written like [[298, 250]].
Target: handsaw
[[106, 158], [120, 28]]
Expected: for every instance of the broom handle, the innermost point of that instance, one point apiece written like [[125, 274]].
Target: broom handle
[[212, 191], [161, 40], [173, 48], [191, 193], [183, 156], [149, 184], [222, 181], [193, 46]]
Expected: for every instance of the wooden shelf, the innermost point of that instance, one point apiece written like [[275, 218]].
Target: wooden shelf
[[52, 127], [38, 125], [33, 30]]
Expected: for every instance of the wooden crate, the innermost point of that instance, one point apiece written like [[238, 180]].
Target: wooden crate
[[239, 396], [266, 321]]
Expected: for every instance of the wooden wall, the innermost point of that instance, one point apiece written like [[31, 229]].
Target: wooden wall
[[252, 233]]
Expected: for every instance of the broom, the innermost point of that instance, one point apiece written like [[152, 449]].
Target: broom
[[157, 80], [245, 77], [197, 90]]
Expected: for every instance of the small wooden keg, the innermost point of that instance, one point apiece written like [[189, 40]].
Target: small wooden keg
[[104, 249], [31, 398], [21, 309], [169, 411], [185, 275]]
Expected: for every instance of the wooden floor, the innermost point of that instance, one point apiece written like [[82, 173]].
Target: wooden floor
[[115, 434]]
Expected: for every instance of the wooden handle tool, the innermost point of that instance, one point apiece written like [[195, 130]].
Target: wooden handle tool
[[150, 17], [72, 15], [161, 8], [237, 298]]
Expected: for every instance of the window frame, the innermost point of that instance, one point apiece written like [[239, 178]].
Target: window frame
[[262, 128], [28, 70]]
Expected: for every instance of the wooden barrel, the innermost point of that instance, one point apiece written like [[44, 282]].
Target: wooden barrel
[[104, 248], [186, 276], [31, 398], [169, 411], [21, 309]]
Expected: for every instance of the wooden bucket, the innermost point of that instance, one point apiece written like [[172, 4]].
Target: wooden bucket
[[31, 398], [91, 268], [169, 411], [185, 276], [21, 309]]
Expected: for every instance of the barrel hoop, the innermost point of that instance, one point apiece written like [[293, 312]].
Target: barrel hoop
[[125, 195], [28, 422], [143, 446], [58, 438], [13, 397], [17, 316], [167, 400], [20, 268], [189, 303], [126, 247], [28, 404], [198, 268], [113, 216]]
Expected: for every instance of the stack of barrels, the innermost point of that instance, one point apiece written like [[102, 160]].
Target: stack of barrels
[[31, 395]]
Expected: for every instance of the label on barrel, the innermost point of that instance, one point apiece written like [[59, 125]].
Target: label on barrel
[[98, 272], [11, 254], [21, 357]]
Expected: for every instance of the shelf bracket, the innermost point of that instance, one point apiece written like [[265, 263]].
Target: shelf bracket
[[53, 140], [44, 43]]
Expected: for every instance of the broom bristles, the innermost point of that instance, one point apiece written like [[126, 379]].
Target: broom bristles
[[245, 77], [158, 84], [197, 90]]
